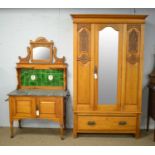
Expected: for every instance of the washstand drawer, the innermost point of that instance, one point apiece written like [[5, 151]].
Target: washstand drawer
[[106, 123]]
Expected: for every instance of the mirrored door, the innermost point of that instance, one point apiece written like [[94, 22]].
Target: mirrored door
[[107, 69]]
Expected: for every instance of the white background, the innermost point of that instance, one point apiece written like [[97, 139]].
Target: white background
[[18, 26], [149, 45], [78, 3]]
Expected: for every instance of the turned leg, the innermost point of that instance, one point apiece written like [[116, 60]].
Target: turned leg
[[75, 126], [19, 122], [137, 134], [154, 132], [64, 124], [148, 122], [11, 128], [62, 132], [148, 112], [74, 133]]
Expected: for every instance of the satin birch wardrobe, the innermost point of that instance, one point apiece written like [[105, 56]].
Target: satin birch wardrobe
[[108, 68]]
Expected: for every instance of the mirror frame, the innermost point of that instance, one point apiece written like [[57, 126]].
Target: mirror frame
[[40, 53], [119, 28], [101, 69], [42, 42]]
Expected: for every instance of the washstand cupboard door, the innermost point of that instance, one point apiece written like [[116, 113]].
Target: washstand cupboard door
[[22, 107], [50, 107]]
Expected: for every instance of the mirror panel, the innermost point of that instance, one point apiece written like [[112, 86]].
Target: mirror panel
[[41, 53], [108, 65]]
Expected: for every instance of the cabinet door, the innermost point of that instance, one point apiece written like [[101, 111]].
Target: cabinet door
[[133, 67], [83, 68], [108, 66], [22, 107], [50, 107]]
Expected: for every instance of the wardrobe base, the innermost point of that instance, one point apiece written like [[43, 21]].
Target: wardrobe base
[[102, 123]]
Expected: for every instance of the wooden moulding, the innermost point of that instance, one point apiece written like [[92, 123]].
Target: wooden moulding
[[108, 18]]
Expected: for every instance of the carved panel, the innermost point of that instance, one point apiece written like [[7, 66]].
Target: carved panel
[[133, 43], [84, 41], [83, 58], [133, 59], [87, 26], [84, 38], [136, 26]]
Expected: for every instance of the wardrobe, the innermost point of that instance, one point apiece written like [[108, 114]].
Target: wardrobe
[[108, 68]]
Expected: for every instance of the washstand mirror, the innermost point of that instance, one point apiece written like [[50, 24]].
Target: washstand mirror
[[42, 50], [41, 53]]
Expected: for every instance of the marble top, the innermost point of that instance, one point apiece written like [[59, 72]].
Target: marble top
[[39, 92]]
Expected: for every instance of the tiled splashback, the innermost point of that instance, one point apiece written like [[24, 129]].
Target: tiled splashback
[[41, 77]]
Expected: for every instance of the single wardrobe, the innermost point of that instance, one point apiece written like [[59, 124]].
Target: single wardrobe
[[108, 68]]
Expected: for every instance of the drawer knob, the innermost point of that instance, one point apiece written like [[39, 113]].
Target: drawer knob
[[37, 112], [122, 123], [91, 123]]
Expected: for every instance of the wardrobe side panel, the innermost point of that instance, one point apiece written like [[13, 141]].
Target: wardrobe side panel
[[133, 68], [83, 68]]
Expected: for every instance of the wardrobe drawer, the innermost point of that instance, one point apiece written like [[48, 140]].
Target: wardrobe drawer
[[106, 123]]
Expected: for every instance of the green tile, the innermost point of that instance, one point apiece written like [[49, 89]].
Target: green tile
[[42, 77]]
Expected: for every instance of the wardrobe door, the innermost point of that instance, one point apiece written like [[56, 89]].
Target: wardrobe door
[[83, 71], [108, 66], [133, 68]]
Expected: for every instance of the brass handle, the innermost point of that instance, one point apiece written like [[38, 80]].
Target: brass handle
[[91, 123], [122, 123], [37, 111], [95, 72]]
